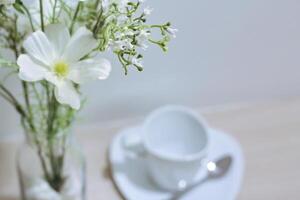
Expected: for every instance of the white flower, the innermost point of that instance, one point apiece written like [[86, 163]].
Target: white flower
[[127, 44], [120, 45], [122, 4], [137, 62], [144, 34], [128, 32], [141, 1], [121, 19], [144, 46], [124, 34], [116, 45], [148, 11], [56, 56], [142, 38], [172, 31]]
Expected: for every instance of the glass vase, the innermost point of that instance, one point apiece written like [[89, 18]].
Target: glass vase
[[51, 169]]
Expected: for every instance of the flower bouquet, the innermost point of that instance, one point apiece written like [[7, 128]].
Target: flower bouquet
[[53, 47]]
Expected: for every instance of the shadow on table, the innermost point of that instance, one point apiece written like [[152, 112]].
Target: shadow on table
[[134, 170], [107, 173]]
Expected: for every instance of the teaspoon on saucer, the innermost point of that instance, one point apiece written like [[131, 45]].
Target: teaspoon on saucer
[[215, 170]]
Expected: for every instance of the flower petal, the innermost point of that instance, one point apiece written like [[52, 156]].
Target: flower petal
[[90, 69], [59, 36], [30, 70], [52, 78], [81, 43], [39, 47], [65, 93]]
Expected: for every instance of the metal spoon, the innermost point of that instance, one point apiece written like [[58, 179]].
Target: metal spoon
[[215, 170]]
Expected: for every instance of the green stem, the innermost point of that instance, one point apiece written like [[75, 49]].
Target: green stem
[[53, 12], [51, 116], [15, 45], [48, 175], [40, 101], [27, 101], [9, 100], [75, 16], [56, 162], [123, 62], [42, 15], [97, 25], [154, 42], [8, 93], [29, 16], [97, 4], [34, 131], [29, 120], [43, 162], [46, 86]]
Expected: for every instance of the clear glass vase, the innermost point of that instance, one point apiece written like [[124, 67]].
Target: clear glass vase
[[51, 169]]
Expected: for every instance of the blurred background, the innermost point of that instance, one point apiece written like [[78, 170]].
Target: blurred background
[[226, 52]]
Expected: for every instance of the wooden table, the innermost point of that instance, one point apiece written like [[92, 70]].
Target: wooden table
[[269, 133]]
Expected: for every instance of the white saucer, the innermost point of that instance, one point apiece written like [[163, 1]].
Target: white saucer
[[131, 177]]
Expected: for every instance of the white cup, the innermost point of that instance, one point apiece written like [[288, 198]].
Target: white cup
[[174, 142]]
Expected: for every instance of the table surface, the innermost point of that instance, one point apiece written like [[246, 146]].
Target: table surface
[[269, 133]]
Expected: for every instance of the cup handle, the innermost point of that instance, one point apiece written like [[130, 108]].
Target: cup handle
[[133, 146]]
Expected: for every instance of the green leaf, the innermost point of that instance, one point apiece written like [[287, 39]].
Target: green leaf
[[18, 6]]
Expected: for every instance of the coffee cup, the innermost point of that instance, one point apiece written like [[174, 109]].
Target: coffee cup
[[173, 141]]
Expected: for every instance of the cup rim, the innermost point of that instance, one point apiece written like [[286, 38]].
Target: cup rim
[[188, 157]]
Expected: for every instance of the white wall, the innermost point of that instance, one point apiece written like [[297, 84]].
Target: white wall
[[226, 51]]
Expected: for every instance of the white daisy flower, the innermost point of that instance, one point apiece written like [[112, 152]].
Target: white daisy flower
[[142, 38], [172, 31], [121, 19], [120, 45], [56, 56], [137, 62], [148, 11]]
